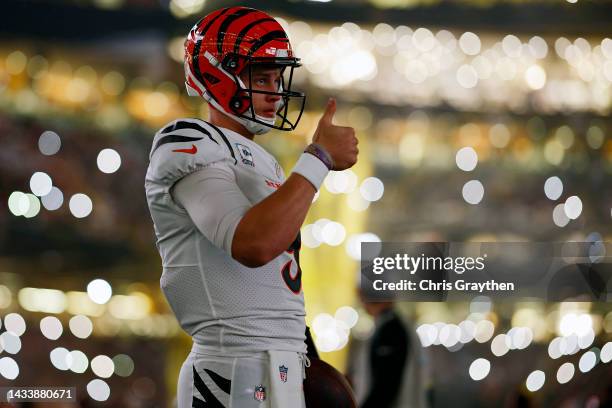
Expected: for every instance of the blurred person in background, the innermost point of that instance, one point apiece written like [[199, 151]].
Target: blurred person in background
[[387, 369], [227, 221]]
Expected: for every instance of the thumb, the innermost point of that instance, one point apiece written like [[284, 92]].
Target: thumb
[[330, 110]]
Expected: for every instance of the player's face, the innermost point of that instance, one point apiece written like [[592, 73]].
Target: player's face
[[264, 79]]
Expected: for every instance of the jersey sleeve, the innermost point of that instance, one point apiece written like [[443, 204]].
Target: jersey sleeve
[[214, 203], [184, 147]]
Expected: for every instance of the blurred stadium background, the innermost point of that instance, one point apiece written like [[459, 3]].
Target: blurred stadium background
[[479, 120]]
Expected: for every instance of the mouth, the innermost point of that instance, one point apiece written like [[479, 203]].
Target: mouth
[[269, 113]]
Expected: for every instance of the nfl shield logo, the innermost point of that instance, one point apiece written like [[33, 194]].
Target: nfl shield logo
[[282, 371], [260, 393]]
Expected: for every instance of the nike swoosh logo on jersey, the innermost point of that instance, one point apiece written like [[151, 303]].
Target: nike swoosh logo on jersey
[[193, 150]]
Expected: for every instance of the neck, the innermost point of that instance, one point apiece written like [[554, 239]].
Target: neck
[[220, 119]]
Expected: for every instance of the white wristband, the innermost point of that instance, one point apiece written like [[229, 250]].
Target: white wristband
[[312, 169]]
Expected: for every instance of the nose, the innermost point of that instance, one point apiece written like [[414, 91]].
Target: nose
[[273, 98]]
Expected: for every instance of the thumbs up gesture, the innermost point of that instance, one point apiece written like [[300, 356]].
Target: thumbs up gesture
[[339, 141]]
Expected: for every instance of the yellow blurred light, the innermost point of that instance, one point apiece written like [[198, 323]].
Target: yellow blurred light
[[554, 152], [77, 90], [156, 104], [565, 136], [531, 317], [184, 8], [134, 306], [87, 73], [176, 49], [412, 149], [360, 118], [16, 62], [37, 66], [79, 303], [42, 300], [108, 4], [5, 297], [113, 83]]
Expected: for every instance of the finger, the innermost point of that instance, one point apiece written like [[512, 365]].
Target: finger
[[330, 110]]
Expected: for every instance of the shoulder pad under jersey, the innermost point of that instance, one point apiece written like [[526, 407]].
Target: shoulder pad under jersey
[[185, 146]]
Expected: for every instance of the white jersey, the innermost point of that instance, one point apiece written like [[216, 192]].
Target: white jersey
[[224, 305]]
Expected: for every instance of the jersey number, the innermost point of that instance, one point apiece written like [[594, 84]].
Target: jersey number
[[293, 283]]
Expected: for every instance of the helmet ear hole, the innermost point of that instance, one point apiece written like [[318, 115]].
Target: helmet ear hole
[[230, 63], [240, 103]]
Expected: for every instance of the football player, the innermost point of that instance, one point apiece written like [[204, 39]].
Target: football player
[[227, 220]]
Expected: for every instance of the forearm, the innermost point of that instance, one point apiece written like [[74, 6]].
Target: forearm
[[270, 226]]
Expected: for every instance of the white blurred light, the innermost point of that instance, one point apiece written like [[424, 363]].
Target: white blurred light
[[535, 76], [322, 322], [8, 368], [553, 188], [565, 373], [606, 353], [538, 47], [467, 76], [427, 334], [569, 345], [10, 342], [469, 43], [484, 331], [559, 217], [573, 207], [606, 47], [473, 192], [98, 390], [449, 335], [348, 315], [466, 159], [468, 331], [80, 205], [586, 339], [18, 203], [102, 366], [479, 369], [333, 233], [49, 143], [499, 346], [308, 238], [372, 189], [535, 380], [40, 183], [356, 202], [14, 323], [587, 361], [81, 326], [108, 161], [53, 200], [512, 46], [99, 291], [423, 39], [77, 361], [51, 327], [33, 206], [353, 244], [554, 348], [59, 358], [316, 196]]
